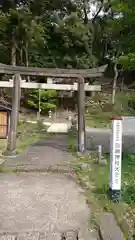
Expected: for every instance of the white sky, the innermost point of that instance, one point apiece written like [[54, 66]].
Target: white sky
[[94, 8]]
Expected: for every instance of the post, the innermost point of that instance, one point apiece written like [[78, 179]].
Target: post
[[115, 159], [81, 116], [99, 153], [11, 146]]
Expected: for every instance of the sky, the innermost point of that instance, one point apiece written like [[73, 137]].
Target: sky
[[94, 8]]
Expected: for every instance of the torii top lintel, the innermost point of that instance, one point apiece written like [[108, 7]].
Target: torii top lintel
[[53, 72]]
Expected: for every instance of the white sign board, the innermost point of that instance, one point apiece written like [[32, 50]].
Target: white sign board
[[115, 155]]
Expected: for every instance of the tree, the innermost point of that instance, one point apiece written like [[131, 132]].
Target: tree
[[75, 43], [44, 99], [17, 30]]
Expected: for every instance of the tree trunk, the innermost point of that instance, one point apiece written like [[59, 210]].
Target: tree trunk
[[27, 59], [85, 8], [114, 83], [13, 52], [21, 56], [26, 55], [122, 84]]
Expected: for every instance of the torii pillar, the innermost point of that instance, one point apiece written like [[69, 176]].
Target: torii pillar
[[16, 93], [81, 116]]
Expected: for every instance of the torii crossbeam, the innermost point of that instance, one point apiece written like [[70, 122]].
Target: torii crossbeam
[[77, 74]]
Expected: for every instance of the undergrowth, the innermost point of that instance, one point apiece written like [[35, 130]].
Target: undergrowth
[[27, 134], [100, 109]]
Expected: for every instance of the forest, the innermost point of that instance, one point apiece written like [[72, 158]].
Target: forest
[[67, 34]]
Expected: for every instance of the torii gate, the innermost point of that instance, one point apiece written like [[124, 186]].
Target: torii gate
[[79, 74]]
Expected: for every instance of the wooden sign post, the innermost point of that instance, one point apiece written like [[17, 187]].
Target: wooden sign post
[[115, 159]]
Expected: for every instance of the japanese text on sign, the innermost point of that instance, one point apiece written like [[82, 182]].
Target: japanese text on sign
[[115, 153]]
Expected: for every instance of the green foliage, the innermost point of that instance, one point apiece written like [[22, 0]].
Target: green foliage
[[100, 109], [129, 194], [131, 101], [49, 32], [47, 98], [76, 40], [128, 178], [128, 61], [60, 34], [18, 27], [114, 33]]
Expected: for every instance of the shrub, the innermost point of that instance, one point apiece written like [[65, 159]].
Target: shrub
[[131, 101], [129, 194]]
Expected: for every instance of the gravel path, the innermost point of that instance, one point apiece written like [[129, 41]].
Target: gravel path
[[37, 205], [41, 202], [51, 153]]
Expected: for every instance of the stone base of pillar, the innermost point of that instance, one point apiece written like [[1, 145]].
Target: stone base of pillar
[[9, 153]]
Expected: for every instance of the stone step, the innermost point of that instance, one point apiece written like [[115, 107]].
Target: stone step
[[109, 228]]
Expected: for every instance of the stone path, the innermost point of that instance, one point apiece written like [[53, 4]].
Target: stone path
[[41, 202], [42, 205], [51, 153]]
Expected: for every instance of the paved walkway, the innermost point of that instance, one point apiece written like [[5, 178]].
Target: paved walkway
[[37, 205]]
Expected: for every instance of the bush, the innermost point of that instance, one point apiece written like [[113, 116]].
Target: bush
[[128, 178], [129, 194], [48, 100], [131, 101]]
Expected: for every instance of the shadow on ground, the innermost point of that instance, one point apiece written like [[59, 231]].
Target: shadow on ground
[[57, 141]]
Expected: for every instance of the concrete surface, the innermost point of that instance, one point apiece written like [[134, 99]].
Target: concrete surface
[[59, 128], [97, 136], [112, 231]]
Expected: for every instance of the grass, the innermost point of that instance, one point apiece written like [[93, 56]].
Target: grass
[[27, 134], [72, 142], [97, 120], [97, 178], [96, 181], [94, 178], [100, 109]]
